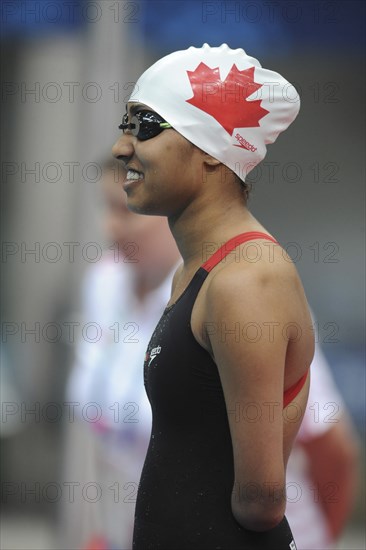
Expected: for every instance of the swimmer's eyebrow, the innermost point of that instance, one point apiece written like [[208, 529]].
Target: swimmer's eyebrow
[[136, 107]]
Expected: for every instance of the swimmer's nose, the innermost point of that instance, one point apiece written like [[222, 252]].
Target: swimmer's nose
[[123, 149]]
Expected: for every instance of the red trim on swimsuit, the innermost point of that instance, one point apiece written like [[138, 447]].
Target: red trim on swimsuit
[[292, 392], [218, 256], [226, 248]]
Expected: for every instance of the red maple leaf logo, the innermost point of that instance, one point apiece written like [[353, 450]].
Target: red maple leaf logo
[[226, 100]]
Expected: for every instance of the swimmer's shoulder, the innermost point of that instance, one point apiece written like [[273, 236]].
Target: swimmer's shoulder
[[257, 271]]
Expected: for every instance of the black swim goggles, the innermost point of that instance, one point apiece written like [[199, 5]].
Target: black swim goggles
[[144, 124]]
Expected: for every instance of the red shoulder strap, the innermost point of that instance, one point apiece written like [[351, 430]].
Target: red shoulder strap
[[226, 248]]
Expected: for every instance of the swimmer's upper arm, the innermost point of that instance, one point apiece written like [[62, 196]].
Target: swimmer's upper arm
[[243, 310]]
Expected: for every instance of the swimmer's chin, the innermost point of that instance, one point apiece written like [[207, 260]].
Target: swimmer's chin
[[143, 209]]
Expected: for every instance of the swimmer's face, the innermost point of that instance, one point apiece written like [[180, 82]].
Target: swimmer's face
[[140, 239], [163, 173], [122, 225]]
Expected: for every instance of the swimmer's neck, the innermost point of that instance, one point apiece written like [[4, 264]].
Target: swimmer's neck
[[148, 280], [200, 225]]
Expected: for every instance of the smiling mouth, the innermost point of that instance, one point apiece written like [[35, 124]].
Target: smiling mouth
[[134, 175]]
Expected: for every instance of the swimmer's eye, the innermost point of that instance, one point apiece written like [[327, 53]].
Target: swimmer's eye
[[144, 124]]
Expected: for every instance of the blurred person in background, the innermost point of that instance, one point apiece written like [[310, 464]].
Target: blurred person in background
[[124, 294], [111, 451]]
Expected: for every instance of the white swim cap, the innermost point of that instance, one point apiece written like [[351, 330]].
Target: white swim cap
[[222, 101]]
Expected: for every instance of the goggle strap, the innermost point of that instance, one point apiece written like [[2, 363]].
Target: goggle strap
[[127, 126]]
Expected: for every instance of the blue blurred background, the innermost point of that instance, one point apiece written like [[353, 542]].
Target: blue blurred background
[[67, 70]]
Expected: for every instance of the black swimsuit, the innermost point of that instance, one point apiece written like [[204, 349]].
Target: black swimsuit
[[184, 496]]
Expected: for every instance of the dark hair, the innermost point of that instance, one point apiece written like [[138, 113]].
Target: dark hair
[[245, 187]]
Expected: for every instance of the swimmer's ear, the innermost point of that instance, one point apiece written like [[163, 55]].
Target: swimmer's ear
[[210, 161]]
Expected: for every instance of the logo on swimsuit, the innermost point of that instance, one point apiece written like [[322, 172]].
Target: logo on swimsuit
[[153, 353], [292, 545]]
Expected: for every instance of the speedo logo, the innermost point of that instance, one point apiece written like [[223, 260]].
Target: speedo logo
[[153, 353], [244, 144]]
